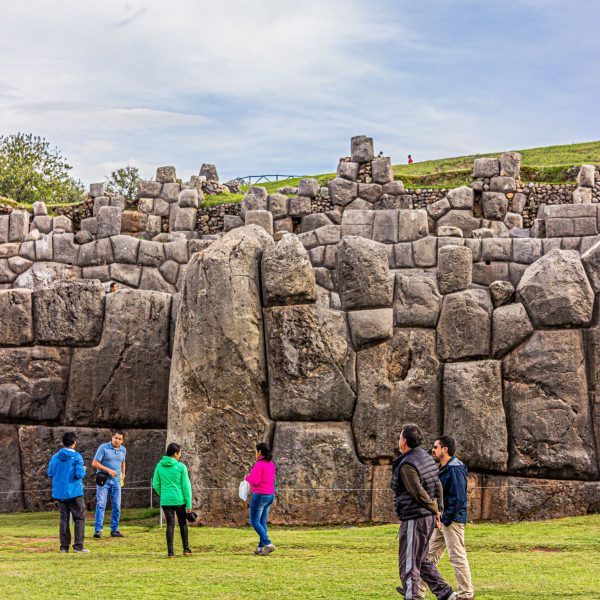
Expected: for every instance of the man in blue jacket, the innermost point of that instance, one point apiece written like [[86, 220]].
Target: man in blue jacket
[[67, 471], [450, 532]]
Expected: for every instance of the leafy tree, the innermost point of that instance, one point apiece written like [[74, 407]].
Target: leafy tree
[[30, 171], [124, 182]]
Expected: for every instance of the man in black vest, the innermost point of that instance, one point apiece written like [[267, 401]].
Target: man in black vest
[[418, 498]]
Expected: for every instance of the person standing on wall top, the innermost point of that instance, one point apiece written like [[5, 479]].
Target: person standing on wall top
[[450, 533], [418, 499], [172, 483], [67, 471], [110, 477], [410, 160], [262, 484]]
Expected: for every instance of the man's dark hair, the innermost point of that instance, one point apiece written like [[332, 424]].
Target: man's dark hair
[[447, 441], [69, 438], [412, 434], [116, 432], [173, 448]]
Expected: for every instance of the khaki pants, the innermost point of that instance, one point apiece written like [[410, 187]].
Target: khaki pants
[[452, 538]]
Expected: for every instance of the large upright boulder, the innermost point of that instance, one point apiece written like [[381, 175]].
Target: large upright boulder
[[546, 398], [42, 274], [398, 382], [364, 276], [321, 478], [287, 275], [417, 301], [473, 412], [464, 326], [556, 291], [310, 364], [11, 481], [217, 394], [125, 378], [16, 317]]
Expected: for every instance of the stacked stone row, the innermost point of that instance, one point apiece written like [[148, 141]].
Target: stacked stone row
[[131, 262], [75, 359]]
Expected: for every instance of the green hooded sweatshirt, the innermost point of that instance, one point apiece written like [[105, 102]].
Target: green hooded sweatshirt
[[171, 483]]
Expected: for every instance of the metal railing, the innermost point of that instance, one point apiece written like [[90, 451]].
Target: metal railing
[[250, 179]]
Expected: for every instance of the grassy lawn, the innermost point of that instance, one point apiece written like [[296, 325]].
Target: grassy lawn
[[559, 558]]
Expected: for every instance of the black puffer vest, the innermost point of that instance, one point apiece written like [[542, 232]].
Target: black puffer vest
[[407, 508]]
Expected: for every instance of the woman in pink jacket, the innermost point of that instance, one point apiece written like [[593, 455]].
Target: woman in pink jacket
[[262, 484]]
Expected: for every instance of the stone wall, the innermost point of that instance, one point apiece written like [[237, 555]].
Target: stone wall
[[381, 306]]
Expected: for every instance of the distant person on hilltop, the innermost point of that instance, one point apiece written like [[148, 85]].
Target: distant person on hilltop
[[410, 160]]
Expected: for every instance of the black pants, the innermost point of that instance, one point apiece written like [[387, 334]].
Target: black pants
[[170, 512], [75, 507]]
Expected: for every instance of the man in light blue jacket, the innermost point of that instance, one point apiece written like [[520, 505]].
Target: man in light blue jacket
[[67, 471]]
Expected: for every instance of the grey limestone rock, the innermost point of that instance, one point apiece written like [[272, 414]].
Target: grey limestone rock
[[546, 398], [150, 254], [473, 412], [69, 313], [177, 250], [166, 174], [591, 263], [254, 199], [39, 209], [370, 327], [161, 208], [510, 164], [358, 223], [585, 177], [398, 382], [7, 275], [149, 189], [153, 280], [220, 328], [364, 277], [90, 224], [96, 189], [185, 219], [11, 481], [347, 170], [299, 206], [362, 149], [371, 192], [125, 378], [125, 248], [308, 187], [16, 317], [455, 269], [526, 250], [482, 233], [65, 250], [496, 249], [126, 274], [513, 220], [231, 222], [278, 205], [33, 382], [412, 225], [62, 222], [169, 270], [425, 252], [582, 195], [510, 326], [359, 204], [393, 188], [4, 226], [518, 202], [108, 221], [438, 209], [83, 237], [287, 274], [261, 218], [504, 185], [486, 167], [42, 274], [188, 198], [338, 473], [417, 301], [170, 192], [385, 226], [96, 253], [42, 223], [463, 330], [556, 291], [18, 225], [342, 191], [18, 264], [502, 292], [311, 364], [101, 201], [494, 205], [101, 273], [210, 172], [449, 231], [328, 234], [381, 170], [282, 226], [461, 197], [463, 219]]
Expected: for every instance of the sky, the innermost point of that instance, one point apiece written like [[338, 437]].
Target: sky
[[280, 86]]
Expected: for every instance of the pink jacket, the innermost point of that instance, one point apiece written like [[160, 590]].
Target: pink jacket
[[262, 477]]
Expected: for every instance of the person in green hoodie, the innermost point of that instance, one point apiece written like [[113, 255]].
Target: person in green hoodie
[[172, 483]]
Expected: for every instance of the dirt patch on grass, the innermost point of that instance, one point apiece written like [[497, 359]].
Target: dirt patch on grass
[[37, 539], [545, 549], [35, 549]]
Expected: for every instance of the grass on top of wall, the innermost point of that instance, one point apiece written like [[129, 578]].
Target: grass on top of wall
[[533, 560]]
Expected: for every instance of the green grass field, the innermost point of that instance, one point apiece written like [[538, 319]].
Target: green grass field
[[541, 560]]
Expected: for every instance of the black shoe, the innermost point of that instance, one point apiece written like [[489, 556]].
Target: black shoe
[[116, 534], [97, 534], [187, 552], [170, 556], [400, 590], [64, 550]]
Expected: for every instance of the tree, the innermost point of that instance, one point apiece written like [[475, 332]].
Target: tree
[[124, 181], [30, 171]]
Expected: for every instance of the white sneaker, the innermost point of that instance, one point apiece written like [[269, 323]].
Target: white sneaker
[[82, 551], [268, 549]]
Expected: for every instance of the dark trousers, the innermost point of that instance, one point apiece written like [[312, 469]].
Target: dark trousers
[[170, 512], [75, 507], [413, 560]]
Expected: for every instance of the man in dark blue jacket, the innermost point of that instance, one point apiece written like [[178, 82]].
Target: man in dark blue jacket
[[67, 471], [450, 532]]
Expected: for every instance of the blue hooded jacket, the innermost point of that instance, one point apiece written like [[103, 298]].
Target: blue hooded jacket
[[67, 473], [454, 481]]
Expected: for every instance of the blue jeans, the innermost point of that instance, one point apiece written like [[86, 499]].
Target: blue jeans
[[259, 510], [112, 487]]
